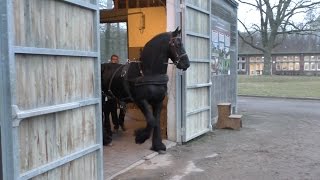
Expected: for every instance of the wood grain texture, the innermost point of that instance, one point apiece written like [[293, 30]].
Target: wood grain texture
[[46, 138], [53, 24], [226, 120], [46, 80]]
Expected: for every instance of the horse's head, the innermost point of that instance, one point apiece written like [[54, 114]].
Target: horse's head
[[177, 52]]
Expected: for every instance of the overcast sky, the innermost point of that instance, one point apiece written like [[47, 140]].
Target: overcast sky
[[249, 15]]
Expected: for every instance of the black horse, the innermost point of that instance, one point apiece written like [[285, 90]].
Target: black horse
[[144, 82]]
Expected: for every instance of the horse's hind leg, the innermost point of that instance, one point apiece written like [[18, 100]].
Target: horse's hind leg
[[144, 133], [157, 144]]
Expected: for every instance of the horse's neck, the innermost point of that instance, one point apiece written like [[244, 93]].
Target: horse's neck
[[154, 61], [154, 56], [154, 65]]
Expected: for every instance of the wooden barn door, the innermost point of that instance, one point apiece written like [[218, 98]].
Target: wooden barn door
[[196, 83], [55, 83]]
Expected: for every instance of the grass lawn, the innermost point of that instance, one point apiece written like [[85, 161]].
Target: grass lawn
[[279, 86]]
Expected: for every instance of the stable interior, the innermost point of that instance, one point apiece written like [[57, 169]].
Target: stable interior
[[127, 26]]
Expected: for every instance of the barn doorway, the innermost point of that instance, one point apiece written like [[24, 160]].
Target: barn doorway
[[125, 27]]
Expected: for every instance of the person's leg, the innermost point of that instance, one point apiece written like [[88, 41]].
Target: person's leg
[[114, 114], [123, 109], [107, 133]]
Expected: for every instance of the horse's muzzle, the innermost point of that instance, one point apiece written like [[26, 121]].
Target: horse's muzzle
[[184, 63]]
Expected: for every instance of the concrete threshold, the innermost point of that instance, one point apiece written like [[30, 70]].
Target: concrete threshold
[[169, 144]]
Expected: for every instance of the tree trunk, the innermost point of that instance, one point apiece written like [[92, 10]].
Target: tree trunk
[[267, 63]]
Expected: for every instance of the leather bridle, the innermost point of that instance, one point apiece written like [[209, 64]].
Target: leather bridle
[[172, 44]]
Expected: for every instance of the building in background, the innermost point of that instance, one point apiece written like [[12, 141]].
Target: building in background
[[297, 55]]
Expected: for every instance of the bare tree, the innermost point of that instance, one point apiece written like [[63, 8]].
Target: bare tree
[[276, 22], [105, 4]]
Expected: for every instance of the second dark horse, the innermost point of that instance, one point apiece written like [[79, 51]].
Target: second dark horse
[[145, 82]]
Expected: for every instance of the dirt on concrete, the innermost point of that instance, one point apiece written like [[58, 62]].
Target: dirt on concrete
[[280, 139]]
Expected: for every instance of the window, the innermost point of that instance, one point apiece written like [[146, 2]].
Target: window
[[278, 66], [285, 63], [306, 58], [291, 58], [306, 66], [312, 66], [312, 58], [252, 69], [297, 66], [284, 66], [258, 59], [252, 59], [318, 66], [242, 63], [242, 66], [291, 66], [241, 59]]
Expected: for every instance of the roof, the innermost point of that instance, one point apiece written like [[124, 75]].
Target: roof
[[293, 44]]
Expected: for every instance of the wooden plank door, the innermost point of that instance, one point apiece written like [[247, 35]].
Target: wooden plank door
[[197, 82], [56, 90]]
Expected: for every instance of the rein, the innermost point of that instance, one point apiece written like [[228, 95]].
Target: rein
[[112, 77], [115, 72], [139, 64], [178, 57]]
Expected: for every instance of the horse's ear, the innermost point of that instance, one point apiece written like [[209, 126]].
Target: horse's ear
[[176, 32]]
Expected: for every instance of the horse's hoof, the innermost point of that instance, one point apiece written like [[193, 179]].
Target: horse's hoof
[[141, 136], [161, 149]]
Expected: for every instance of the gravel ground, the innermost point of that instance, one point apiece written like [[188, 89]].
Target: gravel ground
[[280, 139]]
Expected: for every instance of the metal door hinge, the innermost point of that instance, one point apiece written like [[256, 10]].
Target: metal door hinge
[[181, 7]]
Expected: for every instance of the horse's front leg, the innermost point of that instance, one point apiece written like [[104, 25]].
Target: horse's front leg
[[144, 133], [157, 144]]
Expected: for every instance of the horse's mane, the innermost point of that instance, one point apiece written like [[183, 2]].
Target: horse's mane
[[154, 53]]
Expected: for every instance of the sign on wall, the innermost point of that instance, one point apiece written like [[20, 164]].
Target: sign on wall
[[220, 48]]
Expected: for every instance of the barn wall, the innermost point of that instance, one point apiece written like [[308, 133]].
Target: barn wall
[[142, 28], [154, 23], [56, 90], [172, 24]]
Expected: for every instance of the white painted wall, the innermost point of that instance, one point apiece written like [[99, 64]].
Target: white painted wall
[[171, 107]]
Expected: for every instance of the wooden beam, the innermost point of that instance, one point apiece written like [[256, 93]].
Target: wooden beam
[[113, 16]]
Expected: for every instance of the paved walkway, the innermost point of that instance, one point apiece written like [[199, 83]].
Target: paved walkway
[[124, 153], [279, 140]]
